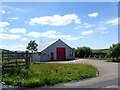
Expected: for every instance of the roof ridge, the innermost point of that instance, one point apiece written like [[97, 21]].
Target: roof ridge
[[44, 45]]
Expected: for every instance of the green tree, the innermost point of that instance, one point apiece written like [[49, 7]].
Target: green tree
[[32, 46], [82, 51], [114, 50]]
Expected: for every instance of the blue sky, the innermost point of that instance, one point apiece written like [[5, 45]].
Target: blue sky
[[91, 24]]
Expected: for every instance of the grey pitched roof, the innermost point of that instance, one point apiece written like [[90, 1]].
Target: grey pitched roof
[[43, 45]]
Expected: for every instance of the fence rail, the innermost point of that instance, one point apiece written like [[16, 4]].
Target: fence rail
[[14, 59], [14, 62]]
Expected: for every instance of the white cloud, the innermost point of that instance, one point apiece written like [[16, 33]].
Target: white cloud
[[84, 25], [4, 24], [87, 32], [75, 38], [34, 34], [102, 28], [13, 47], [87, 25], [55, 20], [9, 36], [53, 34], [26, 22], [2, 11], [77, 27], [113, 21], [24, 39], [2, 30], [93, 14], [104, 32], [18, 30], [14, 18], [12, 8]]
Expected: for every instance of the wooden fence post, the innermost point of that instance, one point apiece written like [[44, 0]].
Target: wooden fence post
[[89, 55], [16, 58], [94, 56], [27, 59], [2, 62], [106, 56], [8, 56], [119, 57], [100, 56], [85, 56], [2, 56]]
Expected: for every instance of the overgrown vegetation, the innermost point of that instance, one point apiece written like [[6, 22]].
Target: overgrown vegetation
[[114, 51], [48, 74], [80, 52]]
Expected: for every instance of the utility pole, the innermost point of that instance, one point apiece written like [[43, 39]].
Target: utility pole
[[41, 37]]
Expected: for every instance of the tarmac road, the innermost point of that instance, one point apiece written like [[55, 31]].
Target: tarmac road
[[108, 76]]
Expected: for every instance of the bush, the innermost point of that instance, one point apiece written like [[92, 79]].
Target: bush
[[114, 50], [82, 51]]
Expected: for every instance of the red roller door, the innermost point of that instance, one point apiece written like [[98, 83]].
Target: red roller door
[[60, 53]]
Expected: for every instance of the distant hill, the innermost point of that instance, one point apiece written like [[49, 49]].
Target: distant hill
[[100, 51], [1, 50]]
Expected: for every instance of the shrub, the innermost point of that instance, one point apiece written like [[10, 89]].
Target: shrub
[[82, 51], [114, 50]]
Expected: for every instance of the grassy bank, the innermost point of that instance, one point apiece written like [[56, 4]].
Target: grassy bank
[[48, 74], [106, 59], [113, 60], [93, 58], [0, 62]]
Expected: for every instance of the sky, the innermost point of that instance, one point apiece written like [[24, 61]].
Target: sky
[[90, 24]]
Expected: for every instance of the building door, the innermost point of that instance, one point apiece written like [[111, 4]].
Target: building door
[[60, 52], [52, 56]]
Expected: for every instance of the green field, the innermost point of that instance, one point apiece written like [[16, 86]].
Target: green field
[[41, 74], [100, 51]]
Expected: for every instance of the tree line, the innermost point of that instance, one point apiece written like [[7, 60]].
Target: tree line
[[113, 51]]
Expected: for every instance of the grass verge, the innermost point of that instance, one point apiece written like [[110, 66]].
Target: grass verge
[[113, 60], [106, 59], [48, 74], [93, 58]]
